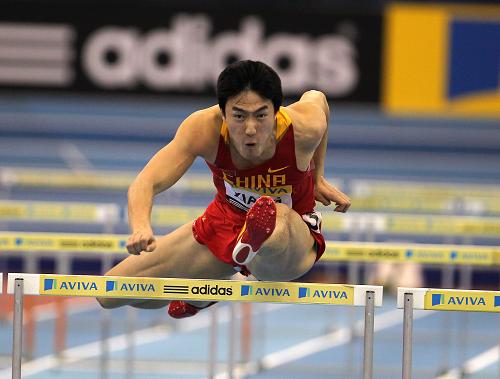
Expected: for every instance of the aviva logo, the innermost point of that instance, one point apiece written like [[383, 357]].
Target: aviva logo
[[451, 65], [323, 294], [459, 301], [247, 290], [115, 285], [69, 285]]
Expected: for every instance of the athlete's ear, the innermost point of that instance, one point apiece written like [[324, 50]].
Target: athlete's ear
[[223, 113]]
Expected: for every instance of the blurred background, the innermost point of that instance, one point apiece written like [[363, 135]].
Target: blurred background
[[89, 91]]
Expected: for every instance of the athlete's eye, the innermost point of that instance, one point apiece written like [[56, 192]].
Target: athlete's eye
[[261, 116], [238, 116]]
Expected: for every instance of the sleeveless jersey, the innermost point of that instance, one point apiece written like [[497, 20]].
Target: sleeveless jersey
[[278, 177]]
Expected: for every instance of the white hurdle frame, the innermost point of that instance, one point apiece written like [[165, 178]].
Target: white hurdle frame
[[414, 298], [367, 296]]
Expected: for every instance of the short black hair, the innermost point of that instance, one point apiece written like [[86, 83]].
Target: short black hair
[[249, 75]]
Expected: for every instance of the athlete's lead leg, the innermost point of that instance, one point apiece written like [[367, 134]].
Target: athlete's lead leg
[[177, 255]]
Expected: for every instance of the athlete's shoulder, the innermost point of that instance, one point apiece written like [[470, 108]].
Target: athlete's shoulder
[[207, 117], [309, 117], [311, 107], [201, 131]]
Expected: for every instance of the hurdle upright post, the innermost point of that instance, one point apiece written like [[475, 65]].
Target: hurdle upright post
[[130, 337], [212, 349], [447, 281], [352, 278], [231, 360], [407, 335], [107, 264], [17, 346], [369, 331]]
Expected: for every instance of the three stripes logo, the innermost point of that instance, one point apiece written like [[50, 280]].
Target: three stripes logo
[[36, 54], [178, 290]]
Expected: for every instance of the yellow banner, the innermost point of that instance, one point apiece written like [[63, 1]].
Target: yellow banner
[[58, 212], [430, 254], [97, 243], [442, 225], [335, 251], [411, 224], [430, 190], [193, 289], [174, 216], [475, 301], [68, 179]]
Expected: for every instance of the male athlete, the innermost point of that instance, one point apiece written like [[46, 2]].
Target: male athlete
[[267, 163]]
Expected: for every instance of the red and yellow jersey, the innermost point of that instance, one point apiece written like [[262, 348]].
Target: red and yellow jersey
[[278, 177]]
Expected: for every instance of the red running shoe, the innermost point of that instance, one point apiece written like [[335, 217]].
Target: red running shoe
[[181, 309], [259, 225]]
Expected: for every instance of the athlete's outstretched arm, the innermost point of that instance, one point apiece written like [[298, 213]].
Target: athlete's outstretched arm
[[325, 193], [319, 100], [164, 169]]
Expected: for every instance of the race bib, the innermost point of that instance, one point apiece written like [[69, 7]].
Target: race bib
[[244, 198]]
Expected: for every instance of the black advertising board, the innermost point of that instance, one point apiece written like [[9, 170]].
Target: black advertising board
[[176, 48]]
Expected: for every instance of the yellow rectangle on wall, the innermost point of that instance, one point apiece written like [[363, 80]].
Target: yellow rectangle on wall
[[442, 59], [415, 49]]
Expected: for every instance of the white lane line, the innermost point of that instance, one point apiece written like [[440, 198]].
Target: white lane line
[[474, 364], [74, 158], [141, 337], [328, 341], [89, 350]]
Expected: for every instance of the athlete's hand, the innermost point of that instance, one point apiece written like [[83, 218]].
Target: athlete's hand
[[325, 193], [141, 240]]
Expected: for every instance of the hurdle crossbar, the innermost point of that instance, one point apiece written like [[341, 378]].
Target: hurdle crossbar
[[194, 289], [197, 290], [439, 300]]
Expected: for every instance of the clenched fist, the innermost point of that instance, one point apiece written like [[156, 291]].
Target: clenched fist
[[141, 240], [325, 193]]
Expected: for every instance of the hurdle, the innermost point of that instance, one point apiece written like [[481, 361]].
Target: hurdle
[[439, 300], [193, 289]]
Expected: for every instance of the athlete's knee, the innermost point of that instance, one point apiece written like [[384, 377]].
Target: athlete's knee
[[283, 211], [283, 221]]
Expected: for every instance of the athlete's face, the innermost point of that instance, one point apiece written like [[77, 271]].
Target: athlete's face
[[251, 121]]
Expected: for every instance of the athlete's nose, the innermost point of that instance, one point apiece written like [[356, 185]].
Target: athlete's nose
[[250, 129]]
